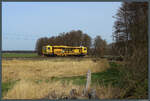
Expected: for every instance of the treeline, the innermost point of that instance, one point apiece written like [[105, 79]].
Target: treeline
[[131, 41], [74, 38]]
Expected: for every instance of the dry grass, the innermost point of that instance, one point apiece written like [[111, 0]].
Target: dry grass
[[31, 90], [27, 71], [108, 92]]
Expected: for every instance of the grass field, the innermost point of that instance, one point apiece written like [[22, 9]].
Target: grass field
[[27, 79], [19, 55]]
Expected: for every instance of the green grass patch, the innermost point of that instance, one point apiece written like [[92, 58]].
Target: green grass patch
[[79, 80], [7, 86], [19, 55], [111, 76]]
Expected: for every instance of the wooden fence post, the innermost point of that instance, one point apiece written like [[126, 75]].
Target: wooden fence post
[[88, 83]]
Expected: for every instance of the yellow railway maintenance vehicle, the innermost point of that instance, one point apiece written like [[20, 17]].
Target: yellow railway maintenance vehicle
[[64, 51]]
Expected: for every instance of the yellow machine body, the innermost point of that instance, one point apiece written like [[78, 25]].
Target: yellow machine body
[[64, 51]]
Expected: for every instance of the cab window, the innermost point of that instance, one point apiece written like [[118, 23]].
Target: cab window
[[84, 48], [48, 48]]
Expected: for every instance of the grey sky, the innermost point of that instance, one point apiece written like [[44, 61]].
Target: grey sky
[[23, 23]]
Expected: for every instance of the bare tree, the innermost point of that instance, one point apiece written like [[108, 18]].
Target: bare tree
[[99, 46]]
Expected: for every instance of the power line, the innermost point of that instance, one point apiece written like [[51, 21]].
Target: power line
[[21, 36]]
